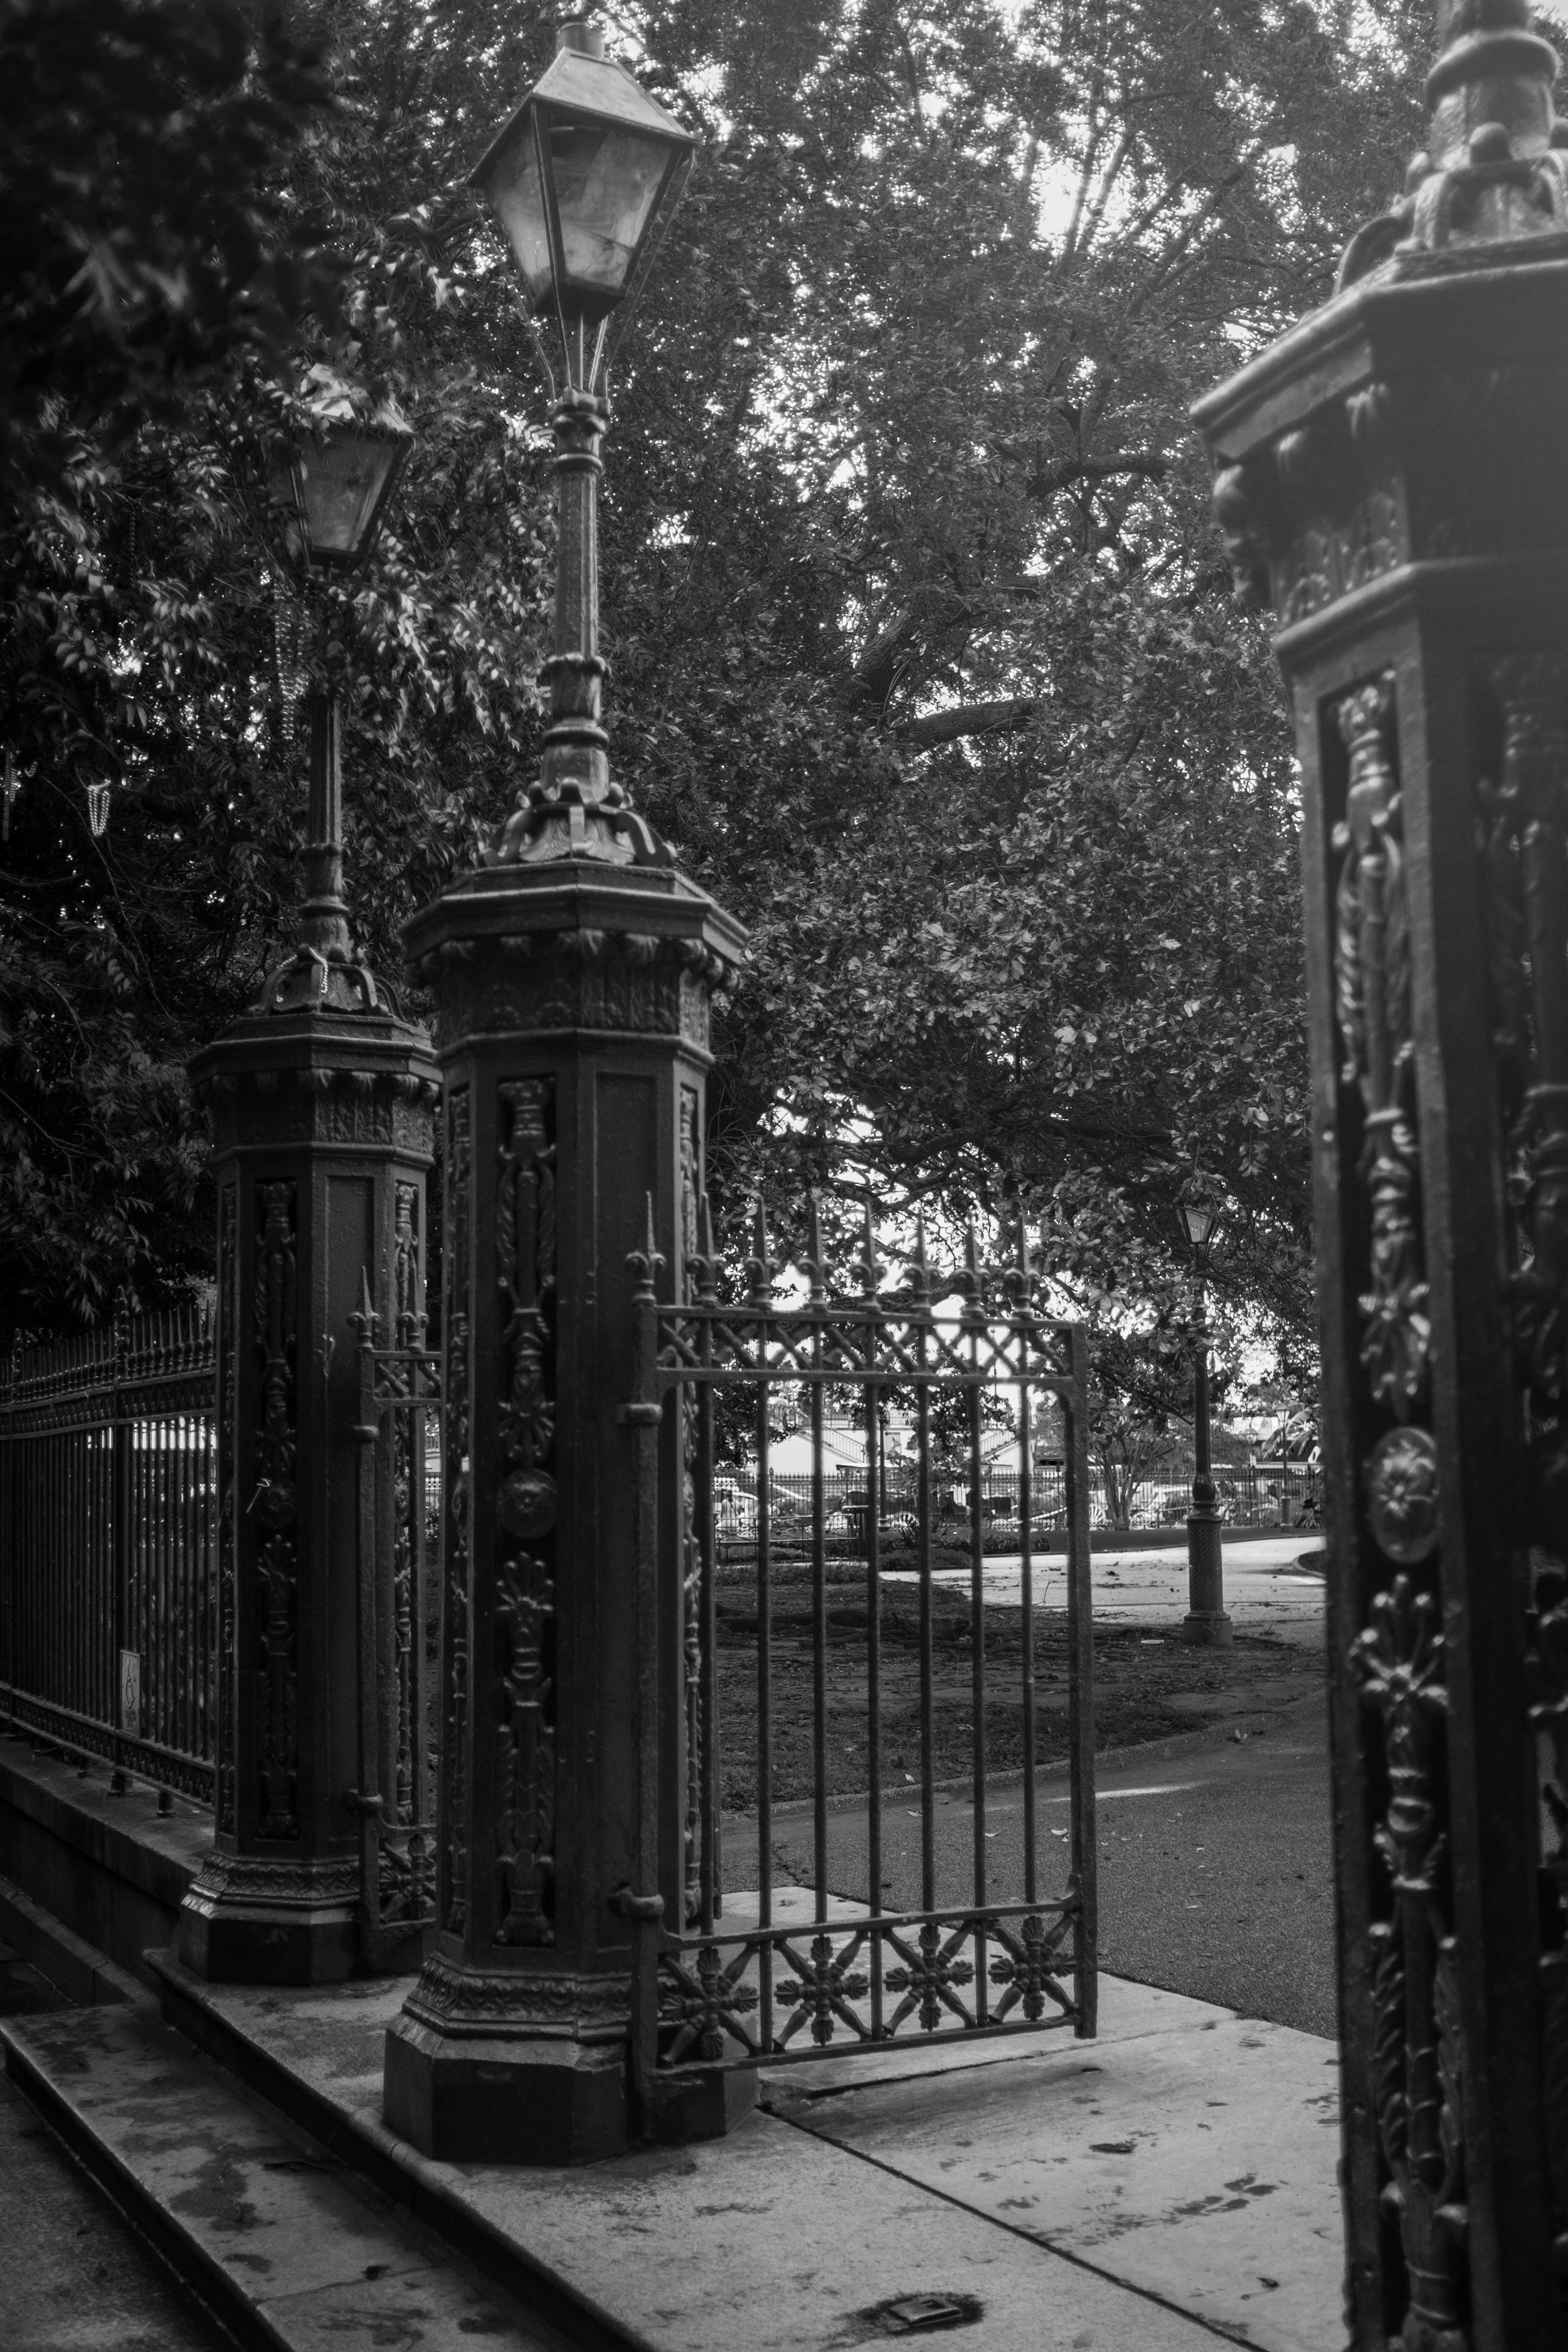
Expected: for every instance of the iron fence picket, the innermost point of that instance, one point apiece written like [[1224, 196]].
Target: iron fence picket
[[107, 1472]]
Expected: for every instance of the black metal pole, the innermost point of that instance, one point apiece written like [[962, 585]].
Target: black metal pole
[[1206, 1621], [574, 808], [325, 914], [325, 967]]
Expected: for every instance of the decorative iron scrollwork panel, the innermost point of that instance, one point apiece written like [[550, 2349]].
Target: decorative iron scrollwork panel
[[1526, 874], [793, 1992], [1371, 1000], [1417, 2068], [1524, 808], [453, 1882], [526, 1516], [276, 1506], [1398, 1654], [227, 1373]]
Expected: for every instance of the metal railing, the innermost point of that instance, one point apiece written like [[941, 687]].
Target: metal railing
[[107, 1523]]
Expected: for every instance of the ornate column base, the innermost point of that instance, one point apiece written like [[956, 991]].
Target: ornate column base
[[493, 2093], [250, 1921], [470, 2081], [1205, 1621]]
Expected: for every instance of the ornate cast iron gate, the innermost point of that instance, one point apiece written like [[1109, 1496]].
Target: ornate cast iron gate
[[1001, 1937]]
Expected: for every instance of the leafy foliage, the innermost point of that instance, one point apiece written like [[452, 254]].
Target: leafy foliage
[[922, 653], [140, 240]]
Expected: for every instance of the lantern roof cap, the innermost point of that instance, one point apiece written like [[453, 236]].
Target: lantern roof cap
[[579, 82]]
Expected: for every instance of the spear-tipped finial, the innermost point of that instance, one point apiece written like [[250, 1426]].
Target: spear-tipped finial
[[970, 1281], [365, 1319], [705, 1265], [760, 1265], [646, 1263], [920, 1271], [868, 1267], [814, 1269]]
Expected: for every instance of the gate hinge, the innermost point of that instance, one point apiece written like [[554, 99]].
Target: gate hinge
[[639, 1416]]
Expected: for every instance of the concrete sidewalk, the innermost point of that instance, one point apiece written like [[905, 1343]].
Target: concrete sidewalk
[[1167, 2185], [1267, 1589]]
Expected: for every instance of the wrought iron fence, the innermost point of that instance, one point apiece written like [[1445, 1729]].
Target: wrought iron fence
[[835, 1967], [108, 1520]]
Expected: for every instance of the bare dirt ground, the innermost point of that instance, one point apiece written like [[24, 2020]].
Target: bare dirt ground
[[1148, 1683]]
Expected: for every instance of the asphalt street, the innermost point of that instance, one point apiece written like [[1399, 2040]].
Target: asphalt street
[[1215, 1854]]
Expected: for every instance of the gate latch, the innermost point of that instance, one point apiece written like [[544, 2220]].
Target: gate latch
[[637, 1906]]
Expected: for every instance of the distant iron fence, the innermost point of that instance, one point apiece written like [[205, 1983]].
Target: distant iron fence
[[108, 1530], [1250, 1494]]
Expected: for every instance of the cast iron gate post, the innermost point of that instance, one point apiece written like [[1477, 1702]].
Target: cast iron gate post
[[320, 1103], [1393, 478], [574, 1000]]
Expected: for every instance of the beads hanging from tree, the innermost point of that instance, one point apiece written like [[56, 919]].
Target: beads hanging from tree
[[289, 630], [97, 809], [15, 779]]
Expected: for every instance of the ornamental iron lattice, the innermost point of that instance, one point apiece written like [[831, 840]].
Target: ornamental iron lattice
[[1002, 1938]]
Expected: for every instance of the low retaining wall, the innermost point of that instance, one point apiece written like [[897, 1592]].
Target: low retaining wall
[[112, 1869]]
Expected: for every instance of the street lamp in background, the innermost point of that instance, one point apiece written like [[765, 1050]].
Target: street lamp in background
[[330, 491], [582, 180], [322, 1100], [1206, 1621]]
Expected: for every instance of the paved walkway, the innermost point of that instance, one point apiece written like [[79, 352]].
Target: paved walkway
[[1187, 2154], [1266, 1587], [1160, 2189]]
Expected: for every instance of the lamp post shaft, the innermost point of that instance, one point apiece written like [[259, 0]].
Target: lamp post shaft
[[576, 748], [1206, 1622], [574, 808], [325, 916]]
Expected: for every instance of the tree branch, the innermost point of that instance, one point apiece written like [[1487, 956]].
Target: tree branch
[[1050, 480], [936, 727], [876, 670]]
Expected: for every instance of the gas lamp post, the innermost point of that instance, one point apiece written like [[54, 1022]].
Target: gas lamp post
[[320, 1098], [582, 180], [331, 491], [573, 970], [1206, 1621]]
